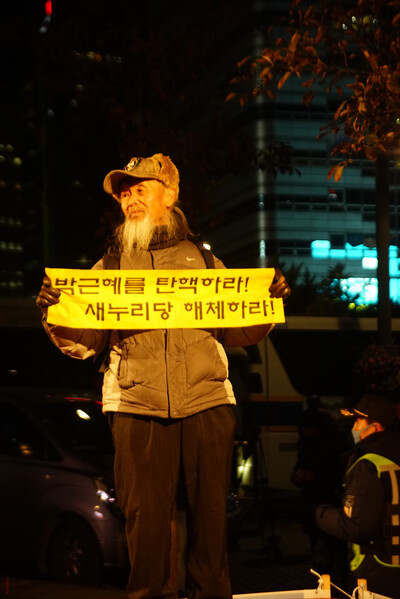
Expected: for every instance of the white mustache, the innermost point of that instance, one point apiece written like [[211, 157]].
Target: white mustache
[[136, 207]]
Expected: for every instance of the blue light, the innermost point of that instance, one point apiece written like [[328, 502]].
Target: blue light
[[355, 252], [365, 287], [338, 254], [320, 248]]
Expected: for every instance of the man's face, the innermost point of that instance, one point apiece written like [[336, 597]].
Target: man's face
[[145, 197], [366, 428]]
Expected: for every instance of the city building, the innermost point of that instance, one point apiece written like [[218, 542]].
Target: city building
[[303, 220], [51, 154]]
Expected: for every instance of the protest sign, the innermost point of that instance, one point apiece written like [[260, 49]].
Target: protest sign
[[161, 299]]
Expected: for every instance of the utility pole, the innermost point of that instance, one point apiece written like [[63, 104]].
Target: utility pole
[[382, 245]]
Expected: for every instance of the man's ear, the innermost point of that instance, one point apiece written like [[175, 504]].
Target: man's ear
[[169, 197]]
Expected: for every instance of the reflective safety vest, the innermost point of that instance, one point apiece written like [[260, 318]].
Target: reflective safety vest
[[386, 549]]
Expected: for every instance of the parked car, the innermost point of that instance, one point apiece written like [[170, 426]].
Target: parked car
[[58, 509], [57, 504]]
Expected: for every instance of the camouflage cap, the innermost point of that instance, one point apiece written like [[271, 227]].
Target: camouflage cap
[[157, 167]]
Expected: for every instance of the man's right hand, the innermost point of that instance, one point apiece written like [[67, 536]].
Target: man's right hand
[[47, 296]]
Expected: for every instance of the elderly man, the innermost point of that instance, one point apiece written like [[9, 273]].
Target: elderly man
[[369, 518], [167, 395]]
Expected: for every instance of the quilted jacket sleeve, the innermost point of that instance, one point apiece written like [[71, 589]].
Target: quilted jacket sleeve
[[78, 343]]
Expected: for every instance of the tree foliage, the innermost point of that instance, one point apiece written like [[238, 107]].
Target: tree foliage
[[351, 48], [377, 370], [319, 297], [276, 158]]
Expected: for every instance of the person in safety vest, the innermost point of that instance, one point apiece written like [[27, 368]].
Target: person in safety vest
[[166, 392], [369, 518]]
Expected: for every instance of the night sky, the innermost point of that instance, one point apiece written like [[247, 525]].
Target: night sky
[[101, 81]]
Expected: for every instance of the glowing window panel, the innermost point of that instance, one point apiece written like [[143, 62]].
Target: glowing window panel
[[320, 248], [369, 263], [365, 287], [357, 252], [338, 254]]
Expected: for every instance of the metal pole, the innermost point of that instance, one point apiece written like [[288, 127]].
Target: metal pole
[[382, 245]]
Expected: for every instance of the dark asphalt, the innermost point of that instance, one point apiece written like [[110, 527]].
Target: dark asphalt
[[272, 554]]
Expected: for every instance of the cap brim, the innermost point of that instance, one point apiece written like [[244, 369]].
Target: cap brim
[[112, 181], [360, 414], [114, 178], [354, 414]]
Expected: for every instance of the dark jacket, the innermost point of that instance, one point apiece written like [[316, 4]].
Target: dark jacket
[[365, 518]]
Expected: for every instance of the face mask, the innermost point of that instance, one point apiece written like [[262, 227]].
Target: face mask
[[357, 434]]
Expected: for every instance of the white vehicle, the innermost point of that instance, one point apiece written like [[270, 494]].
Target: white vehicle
[[306, 356]]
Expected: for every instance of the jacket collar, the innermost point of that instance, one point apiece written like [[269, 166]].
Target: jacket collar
[[162, 240]]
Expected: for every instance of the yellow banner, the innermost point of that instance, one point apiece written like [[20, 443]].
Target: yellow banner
[[164, 299]]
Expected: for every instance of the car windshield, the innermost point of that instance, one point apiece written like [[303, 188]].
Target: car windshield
[[80, 424]]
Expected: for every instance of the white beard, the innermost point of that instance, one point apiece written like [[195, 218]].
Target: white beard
[[136, 233], [140, 233]]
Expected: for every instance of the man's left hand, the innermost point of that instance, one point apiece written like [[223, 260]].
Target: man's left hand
[[279, 286]]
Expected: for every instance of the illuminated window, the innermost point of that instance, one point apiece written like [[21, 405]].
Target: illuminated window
[[365, 287], [369, 263]]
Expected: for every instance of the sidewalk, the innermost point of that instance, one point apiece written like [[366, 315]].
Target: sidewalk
[[18, 588], [273, 552], [271, 555]]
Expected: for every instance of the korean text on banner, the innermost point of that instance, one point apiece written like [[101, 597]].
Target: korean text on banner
[[164, 299]]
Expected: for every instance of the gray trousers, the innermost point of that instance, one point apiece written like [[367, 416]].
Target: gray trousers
[[149, 455]]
